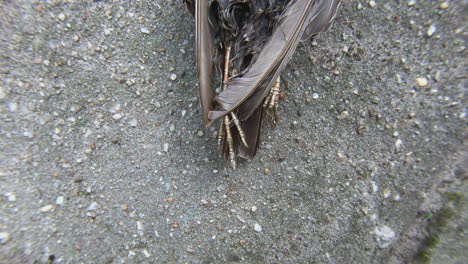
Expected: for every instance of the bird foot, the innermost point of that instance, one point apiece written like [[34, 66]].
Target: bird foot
[[225, 133], [271, 104]]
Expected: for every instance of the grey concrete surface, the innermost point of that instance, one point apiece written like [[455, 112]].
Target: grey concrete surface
[[104, 159]]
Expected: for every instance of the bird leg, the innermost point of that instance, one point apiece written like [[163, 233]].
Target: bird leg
[[271, 103], [225, 127]]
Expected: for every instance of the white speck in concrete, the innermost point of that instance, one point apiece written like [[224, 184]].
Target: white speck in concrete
[[385, 236], [432, 29], [375, 188], [12, 106], [92, 206], [62, 16], [46, 208], [117, 116], [10, 196], [398, 143], [421, 81], [144, 30], [257, 227], [59, 200], [4, 237]]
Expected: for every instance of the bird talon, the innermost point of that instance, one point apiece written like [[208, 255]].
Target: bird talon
[[232, 155], [271, 104]]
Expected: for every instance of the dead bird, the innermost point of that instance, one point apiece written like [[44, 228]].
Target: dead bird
[[248, 43]]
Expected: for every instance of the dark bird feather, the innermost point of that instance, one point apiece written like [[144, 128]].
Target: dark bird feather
[[204, 39], [263, 35]]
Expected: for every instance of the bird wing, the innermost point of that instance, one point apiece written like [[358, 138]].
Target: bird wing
[[300, 20], [322, 18], [190, 6], [271, 61], [205, 65]]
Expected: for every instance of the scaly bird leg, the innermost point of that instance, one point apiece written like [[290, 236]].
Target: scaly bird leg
[[225, 127], [222, 128], [271, 103], [232, 155]]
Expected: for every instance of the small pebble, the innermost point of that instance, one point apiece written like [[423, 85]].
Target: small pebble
[[146, 253], [107, 31], [385, 236], [62, 17], [140, 228], [2, 93], [11, 197], [92, 206], [411, 3], [46, 208], [91, 214], [117, 116], [254, 209], [371, 3], [422, 82], [437, 77], [167, 187], [172, 128], [386, 193], [398, 144], [344, 115], [12, 106], [411, 115], [257, 227], [341, 155], [173, 77], [204, 202], [59, 200], [375, 187], [444, 5], [76, 38], [200, 133], [432, 29], [144, 30], [315, 96], [166, 147], [4, 237], [115, 108], [133, 123], [28, 134]]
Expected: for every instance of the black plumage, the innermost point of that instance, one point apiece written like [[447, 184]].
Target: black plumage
[[258, 38]]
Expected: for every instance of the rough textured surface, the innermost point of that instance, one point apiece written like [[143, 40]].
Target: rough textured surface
[[104, 158]]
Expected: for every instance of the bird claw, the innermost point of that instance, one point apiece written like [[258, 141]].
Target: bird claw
[[271, 104], [225, 133]]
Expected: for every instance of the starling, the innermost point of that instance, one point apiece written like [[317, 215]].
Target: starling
[[242, 47]]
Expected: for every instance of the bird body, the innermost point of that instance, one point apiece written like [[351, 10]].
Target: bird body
[[249, 43]]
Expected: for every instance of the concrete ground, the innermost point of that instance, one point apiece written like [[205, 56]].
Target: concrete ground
[[104, 159]]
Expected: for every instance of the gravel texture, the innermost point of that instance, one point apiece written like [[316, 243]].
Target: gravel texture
[[104, 159]]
